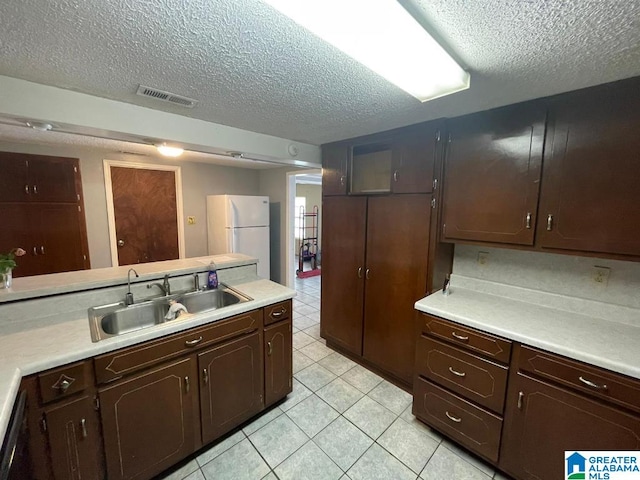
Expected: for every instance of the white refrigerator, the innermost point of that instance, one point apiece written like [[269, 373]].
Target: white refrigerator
[[240, 224]]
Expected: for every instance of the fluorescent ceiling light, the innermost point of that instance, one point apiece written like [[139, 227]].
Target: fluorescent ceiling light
[[169, 151], [384, 37]]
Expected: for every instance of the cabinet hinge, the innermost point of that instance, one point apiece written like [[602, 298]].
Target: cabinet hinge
[[75, 169], [96, 403], [435, 184], [79, 208], [43, 424], [437, 135], [433, 203]]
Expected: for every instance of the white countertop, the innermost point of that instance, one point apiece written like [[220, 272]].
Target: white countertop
[[598, 340], [67, 282], [54, 341]]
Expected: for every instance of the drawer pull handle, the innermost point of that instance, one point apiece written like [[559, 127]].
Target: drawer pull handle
[[269, 349], [280, 313], [191, 343], [452, 418], [83, 425], [460, 337], [359, 272], [205, 376], [455, 372], [591, 384]]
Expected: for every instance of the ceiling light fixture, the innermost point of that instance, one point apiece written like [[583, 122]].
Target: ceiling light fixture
[[384, 37], [40, 126], [169, 151]]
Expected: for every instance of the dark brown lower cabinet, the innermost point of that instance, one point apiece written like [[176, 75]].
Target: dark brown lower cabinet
[[75, 440], [149, 420], [231, 384], [542, 421], [278, 366]]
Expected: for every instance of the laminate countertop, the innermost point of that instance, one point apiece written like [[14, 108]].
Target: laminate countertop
[[603, 335], [33, 346]]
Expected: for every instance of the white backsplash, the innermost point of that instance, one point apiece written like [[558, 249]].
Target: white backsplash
[[561, 275]]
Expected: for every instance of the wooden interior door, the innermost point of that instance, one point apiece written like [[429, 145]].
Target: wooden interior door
[[344, 223], [146, 214], [396, 277]]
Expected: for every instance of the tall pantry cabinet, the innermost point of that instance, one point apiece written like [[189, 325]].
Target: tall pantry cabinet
[[378, 203]]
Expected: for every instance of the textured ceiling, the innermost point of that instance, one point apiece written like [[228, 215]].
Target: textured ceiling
[[251, 68]]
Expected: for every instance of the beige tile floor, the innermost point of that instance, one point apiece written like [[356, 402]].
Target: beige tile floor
[[340, 422]]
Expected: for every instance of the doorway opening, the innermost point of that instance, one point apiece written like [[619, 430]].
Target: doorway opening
[[304, 226], [144, 209]]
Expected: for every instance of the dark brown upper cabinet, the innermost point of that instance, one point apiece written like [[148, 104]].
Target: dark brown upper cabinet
[[590, 198], [38, 178], [334, 169], [396, 161], [492, 175]]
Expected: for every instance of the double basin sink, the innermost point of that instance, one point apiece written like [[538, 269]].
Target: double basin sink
[[118, 318]]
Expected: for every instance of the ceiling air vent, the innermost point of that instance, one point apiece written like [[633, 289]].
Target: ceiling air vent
[[166, 96]]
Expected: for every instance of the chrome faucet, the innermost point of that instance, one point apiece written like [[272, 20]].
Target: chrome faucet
[[196, 282], [164, 286], [128, 298]]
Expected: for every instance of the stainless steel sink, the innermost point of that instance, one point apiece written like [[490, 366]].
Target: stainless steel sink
[[118, 318], [209, 300]]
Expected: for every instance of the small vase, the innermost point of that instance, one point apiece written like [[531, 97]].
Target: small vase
[[5, 279]]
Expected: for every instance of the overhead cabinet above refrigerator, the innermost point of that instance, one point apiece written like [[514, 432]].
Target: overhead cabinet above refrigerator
[[240, 224]]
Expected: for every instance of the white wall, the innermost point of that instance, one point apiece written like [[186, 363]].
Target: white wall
[[560, 274], [198, 181]]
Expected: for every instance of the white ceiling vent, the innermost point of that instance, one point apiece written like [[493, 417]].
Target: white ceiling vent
[[166, 96]]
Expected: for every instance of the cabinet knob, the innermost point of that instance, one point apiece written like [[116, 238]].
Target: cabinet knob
[[269, 348], [359, 272], [26, 189], [205, 376], [35, 189], [395, 176], [342, 180], [366, 273], [121, 243], [187, 384], [83, 426], [520, 399]]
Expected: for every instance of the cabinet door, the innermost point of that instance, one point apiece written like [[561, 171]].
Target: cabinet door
[[343, 243], [75, 440], [414, 157], [590, 199], [14, 181], [396, 277], [492, 174], [542, 421], [53, 179], [63, 246], [20, 230], [149, 420], [231, 386], [277, 362], [334, 169]]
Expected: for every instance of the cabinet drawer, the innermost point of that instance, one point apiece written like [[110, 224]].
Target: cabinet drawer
[[279, 311], [65, 381], [472, 426], [475, 378], [479, 342], [594, 381], [114, 365]]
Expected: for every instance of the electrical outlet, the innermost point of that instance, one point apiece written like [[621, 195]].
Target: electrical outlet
[[600, 275], [483, 258], [191, 220]]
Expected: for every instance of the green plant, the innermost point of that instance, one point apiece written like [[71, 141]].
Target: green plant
[[7, 260]]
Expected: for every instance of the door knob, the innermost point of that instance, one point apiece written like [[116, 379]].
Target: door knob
[[121, 243]]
